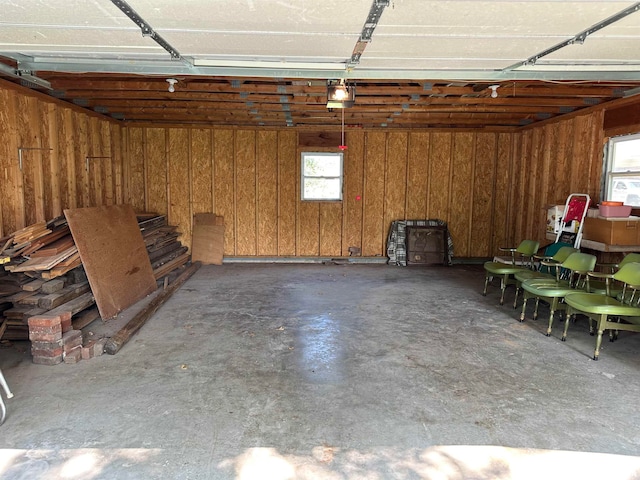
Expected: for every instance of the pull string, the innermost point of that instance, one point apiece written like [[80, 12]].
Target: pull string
[[342, 127]]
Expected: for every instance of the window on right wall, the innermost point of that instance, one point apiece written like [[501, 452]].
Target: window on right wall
[[622, 170]]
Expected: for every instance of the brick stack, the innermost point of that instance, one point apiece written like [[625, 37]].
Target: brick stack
[[53, 339]]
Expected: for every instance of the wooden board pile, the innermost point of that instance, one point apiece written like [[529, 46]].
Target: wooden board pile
[[43, 279]]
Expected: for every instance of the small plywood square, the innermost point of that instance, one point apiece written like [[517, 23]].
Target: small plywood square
[[113, 254], [207, 243]]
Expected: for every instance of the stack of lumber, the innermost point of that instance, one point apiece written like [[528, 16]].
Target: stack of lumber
[[43, 272], [166, 253]]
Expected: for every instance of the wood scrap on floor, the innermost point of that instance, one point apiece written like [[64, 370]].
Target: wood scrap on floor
[[40, 286]]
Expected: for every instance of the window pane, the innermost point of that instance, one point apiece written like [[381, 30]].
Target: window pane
[[625, 189], [322, 166], [322, 189], [626, 156]]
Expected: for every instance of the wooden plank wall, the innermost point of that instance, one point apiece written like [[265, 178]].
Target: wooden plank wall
[[549, 163], [252, 178], [69, 158]]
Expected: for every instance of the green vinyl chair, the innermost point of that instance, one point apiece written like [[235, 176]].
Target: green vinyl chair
[[553, 291], [614, 314], [604, 282], [548, 267], [521, 259]]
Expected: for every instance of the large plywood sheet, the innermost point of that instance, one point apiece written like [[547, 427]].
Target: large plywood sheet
[[439, 176], [245, 147], [267, 191], [502, 189], [287, 192], [202, 167], [417, 175], [330, 228], [353, 191], [461, 184], [372, 224], [113, 254], [309, 229], [156, 165], [136, 185], [178, 184], [396, 178], [483, 188], [224, 185]]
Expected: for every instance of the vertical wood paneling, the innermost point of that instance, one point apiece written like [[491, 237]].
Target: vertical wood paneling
[[245, 152], [267, 200], [417, 175], [179, 212], [396, 178], [308, 228], [373, 218], [94, 164], [54, 141], [201, 149], [503, 187], [461, 184], [117, 145], [491, 188], [224, 175], [482, 224], [53, 204], [81, 149], [439, 176], [136, 184], [33, 160], [11, 210], [155, 149], [330, 229], [353, 191], [287, 192]]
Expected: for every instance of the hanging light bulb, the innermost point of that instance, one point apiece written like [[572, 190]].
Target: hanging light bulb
[[494, 91], [172, 82]]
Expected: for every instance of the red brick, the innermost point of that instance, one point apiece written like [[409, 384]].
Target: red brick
[[45, 337], [46, 352], [47, 321], [65, 321], [74, 355], [47, 345], [54, 329], [47, 360]]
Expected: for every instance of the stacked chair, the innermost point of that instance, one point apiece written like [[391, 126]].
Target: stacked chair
[[521, 258], [548, 266], [553, 290], [609, 313]]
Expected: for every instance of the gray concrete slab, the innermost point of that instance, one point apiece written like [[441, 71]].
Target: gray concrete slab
[[336, 372]]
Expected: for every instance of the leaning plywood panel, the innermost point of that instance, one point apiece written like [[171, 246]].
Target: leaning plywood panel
[[373, 228], [113, 254], [461, 186]]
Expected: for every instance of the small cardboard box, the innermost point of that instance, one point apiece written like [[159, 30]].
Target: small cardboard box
[[612, 231], [554, 218]]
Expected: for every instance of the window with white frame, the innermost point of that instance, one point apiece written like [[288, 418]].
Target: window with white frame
[[622, 170], [321, 174]]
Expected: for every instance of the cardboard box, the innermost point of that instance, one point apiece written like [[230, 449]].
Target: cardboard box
[[554, 218], [612, 231]]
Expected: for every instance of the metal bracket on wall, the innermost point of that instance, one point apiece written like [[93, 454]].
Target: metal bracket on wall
[[90, 158], [22, 149]]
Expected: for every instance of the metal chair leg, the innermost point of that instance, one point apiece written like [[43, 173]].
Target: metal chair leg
[[3, 408]]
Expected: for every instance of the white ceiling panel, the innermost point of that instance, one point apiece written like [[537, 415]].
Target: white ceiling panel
[[497, 18], [259, 16]]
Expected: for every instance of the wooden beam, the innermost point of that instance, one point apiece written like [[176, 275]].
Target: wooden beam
[[115, 343]]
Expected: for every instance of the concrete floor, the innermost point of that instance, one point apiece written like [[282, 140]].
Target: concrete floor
[[330, 372]]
